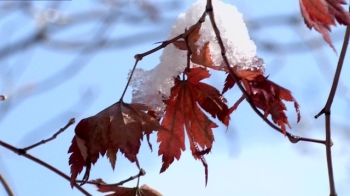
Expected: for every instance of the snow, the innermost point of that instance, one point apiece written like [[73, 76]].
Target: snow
[[151, 87]]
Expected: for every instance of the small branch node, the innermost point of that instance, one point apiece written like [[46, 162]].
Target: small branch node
[[71, 121], [320, 113], [331, 143], [21, 151], [142, 172], [293, 139], [138, 57], [208, 9]]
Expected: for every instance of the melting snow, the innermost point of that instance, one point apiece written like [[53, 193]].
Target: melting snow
[[151, 87]]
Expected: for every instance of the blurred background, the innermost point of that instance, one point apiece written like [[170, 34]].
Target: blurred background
[[70, 59]]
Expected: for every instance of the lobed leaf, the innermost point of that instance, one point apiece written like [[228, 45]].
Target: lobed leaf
[[183, 113], [119, 127], [320, 14], [268, 96]]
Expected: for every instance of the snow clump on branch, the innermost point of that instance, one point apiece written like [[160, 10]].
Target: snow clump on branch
[[151, 87]]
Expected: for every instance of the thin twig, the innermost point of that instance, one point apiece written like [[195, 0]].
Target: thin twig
[[327, 111], [6, 186], [142, 172], [165, 43], [27, 42], [70, 122], [42, 163], [292, 138]]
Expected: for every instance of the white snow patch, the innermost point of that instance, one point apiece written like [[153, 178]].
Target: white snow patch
[[151, 87]]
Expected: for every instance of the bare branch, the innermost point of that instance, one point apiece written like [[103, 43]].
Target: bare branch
[[42, 163], [327, 111], [70, 122]]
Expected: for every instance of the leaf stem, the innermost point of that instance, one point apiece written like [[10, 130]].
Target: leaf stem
[[129, 80], [189, 53], [70, 122], [142, 172], [42, 163]]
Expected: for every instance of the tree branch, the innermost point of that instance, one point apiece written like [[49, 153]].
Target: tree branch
[[70, 122], [327, 111], [42, 163]]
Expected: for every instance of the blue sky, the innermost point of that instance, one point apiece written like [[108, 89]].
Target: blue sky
[[249, 159]]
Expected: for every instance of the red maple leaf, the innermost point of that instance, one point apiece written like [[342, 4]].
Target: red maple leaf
[[320, 14], [119, 127], [268, 96], [183, 112], [265, 94]]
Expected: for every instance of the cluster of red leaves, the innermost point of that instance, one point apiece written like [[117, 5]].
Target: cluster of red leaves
[[265, 95], [320, 14], [120, 127], [144, 190]]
